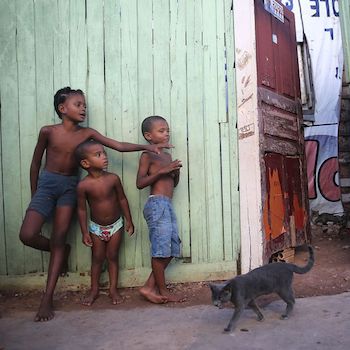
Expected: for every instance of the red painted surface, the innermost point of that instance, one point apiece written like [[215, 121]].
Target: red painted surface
[[284, 202], [276, 51], [285, 193]]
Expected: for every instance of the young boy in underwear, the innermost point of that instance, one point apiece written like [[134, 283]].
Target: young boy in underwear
[[54, 191], [162, 174], [108, 205]]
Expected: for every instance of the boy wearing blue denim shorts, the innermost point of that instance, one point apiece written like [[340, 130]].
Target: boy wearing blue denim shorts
[[161, 173]]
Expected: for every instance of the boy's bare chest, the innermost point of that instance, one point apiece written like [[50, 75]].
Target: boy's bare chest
[[65, 142], [101, 190], [160, 160]]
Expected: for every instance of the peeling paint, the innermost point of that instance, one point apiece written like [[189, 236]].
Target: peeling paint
[[243, 60], [246, 131]]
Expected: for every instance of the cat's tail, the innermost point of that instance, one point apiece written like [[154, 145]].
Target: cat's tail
[[308, 266]]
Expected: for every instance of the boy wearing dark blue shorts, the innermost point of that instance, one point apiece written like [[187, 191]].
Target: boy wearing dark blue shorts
[[161, 173]]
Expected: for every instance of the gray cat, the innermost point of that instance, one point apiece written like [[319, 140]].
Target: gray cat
[[244, 289]]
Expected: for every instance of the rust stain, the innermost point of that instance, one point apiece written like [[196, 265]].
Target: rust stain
[[274, 209], [299, 213]]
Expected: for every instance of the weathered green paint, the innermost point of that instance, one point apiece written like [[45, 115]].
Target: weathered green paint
[[132, 58], [344, 14]]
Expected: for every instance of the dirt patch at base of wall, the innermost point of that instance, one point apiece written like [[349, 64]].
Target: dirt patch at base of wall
[[330, 275]]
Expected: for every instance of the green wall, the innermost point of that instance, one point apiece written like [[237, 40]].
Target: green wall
[[132, 58]]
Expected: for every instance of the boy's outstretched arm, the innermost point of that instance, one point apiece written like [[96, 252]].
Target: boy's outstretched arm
[[82, 215], [126, 146]]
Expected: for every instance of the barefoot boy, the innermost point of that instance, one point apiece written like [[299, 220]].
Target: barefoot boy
[[54, 191], [108, 204], [162, 174]]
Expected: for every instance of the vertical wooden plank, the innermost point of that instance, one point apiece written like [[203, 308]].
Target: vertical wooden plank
[[226, 191], [44, 57], [80, 257], [10, 138], [3, 259], [232, 119], [198, 195], [4, 11], [221, 60], [161, 55], [78, 51], [212, 135], [178, 106], [145, 109], [95, 79], [59, 24], [113, 78], [130, 125], [224, 131], [61, 46], [27, 111], [113, 105]]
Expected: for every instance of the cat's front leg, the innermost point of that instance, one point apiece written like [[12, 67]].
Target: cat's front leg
[[236, 315]]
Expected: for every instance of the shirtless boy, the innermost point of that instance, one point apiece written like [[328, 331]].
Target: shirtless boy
[[162, 174], [108, 204], [54, 191]]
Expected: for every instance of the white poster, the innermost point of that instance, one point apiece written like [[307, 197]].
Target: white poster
[[319, 21]]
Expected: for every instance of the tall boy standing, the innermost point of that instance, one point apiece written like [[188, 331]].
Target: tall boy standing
[[161, 173], [54, 191]]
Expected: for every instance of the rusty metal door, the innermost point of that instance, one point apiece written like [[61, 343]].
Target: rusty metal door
[[284, 191]]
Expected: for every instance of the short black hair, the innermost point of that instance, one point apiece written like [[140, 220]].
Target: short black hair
[[147, 123], [61, 95], [82, 149]]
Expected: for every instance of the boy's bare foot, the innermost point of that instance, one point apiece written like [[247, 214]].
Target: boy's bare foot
[[116, 297], [90, 298], [152, 296], [173, 298], [64, 269], [45, 312]]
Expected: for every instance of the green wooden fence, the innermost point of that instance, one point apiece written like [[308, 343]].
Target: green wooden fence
[[132, 58]]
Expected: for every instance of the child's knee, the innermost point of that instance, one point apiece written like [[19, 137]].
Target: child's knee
[[57, 241], [23, 237], [112, 257], [26, 236], [98, 259]]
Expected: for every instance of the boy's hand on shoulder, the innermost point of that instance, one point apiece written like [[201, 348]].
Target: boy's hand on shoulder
[[158, 147], [87, 240], [129, 227]]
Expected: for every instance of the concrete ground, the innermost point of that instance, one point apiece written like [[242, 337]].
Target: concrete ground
[[321, 322]]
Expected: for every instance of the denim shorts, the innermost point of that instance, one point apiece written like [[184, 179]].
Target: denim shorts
[[54, 190], [162, 225]]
